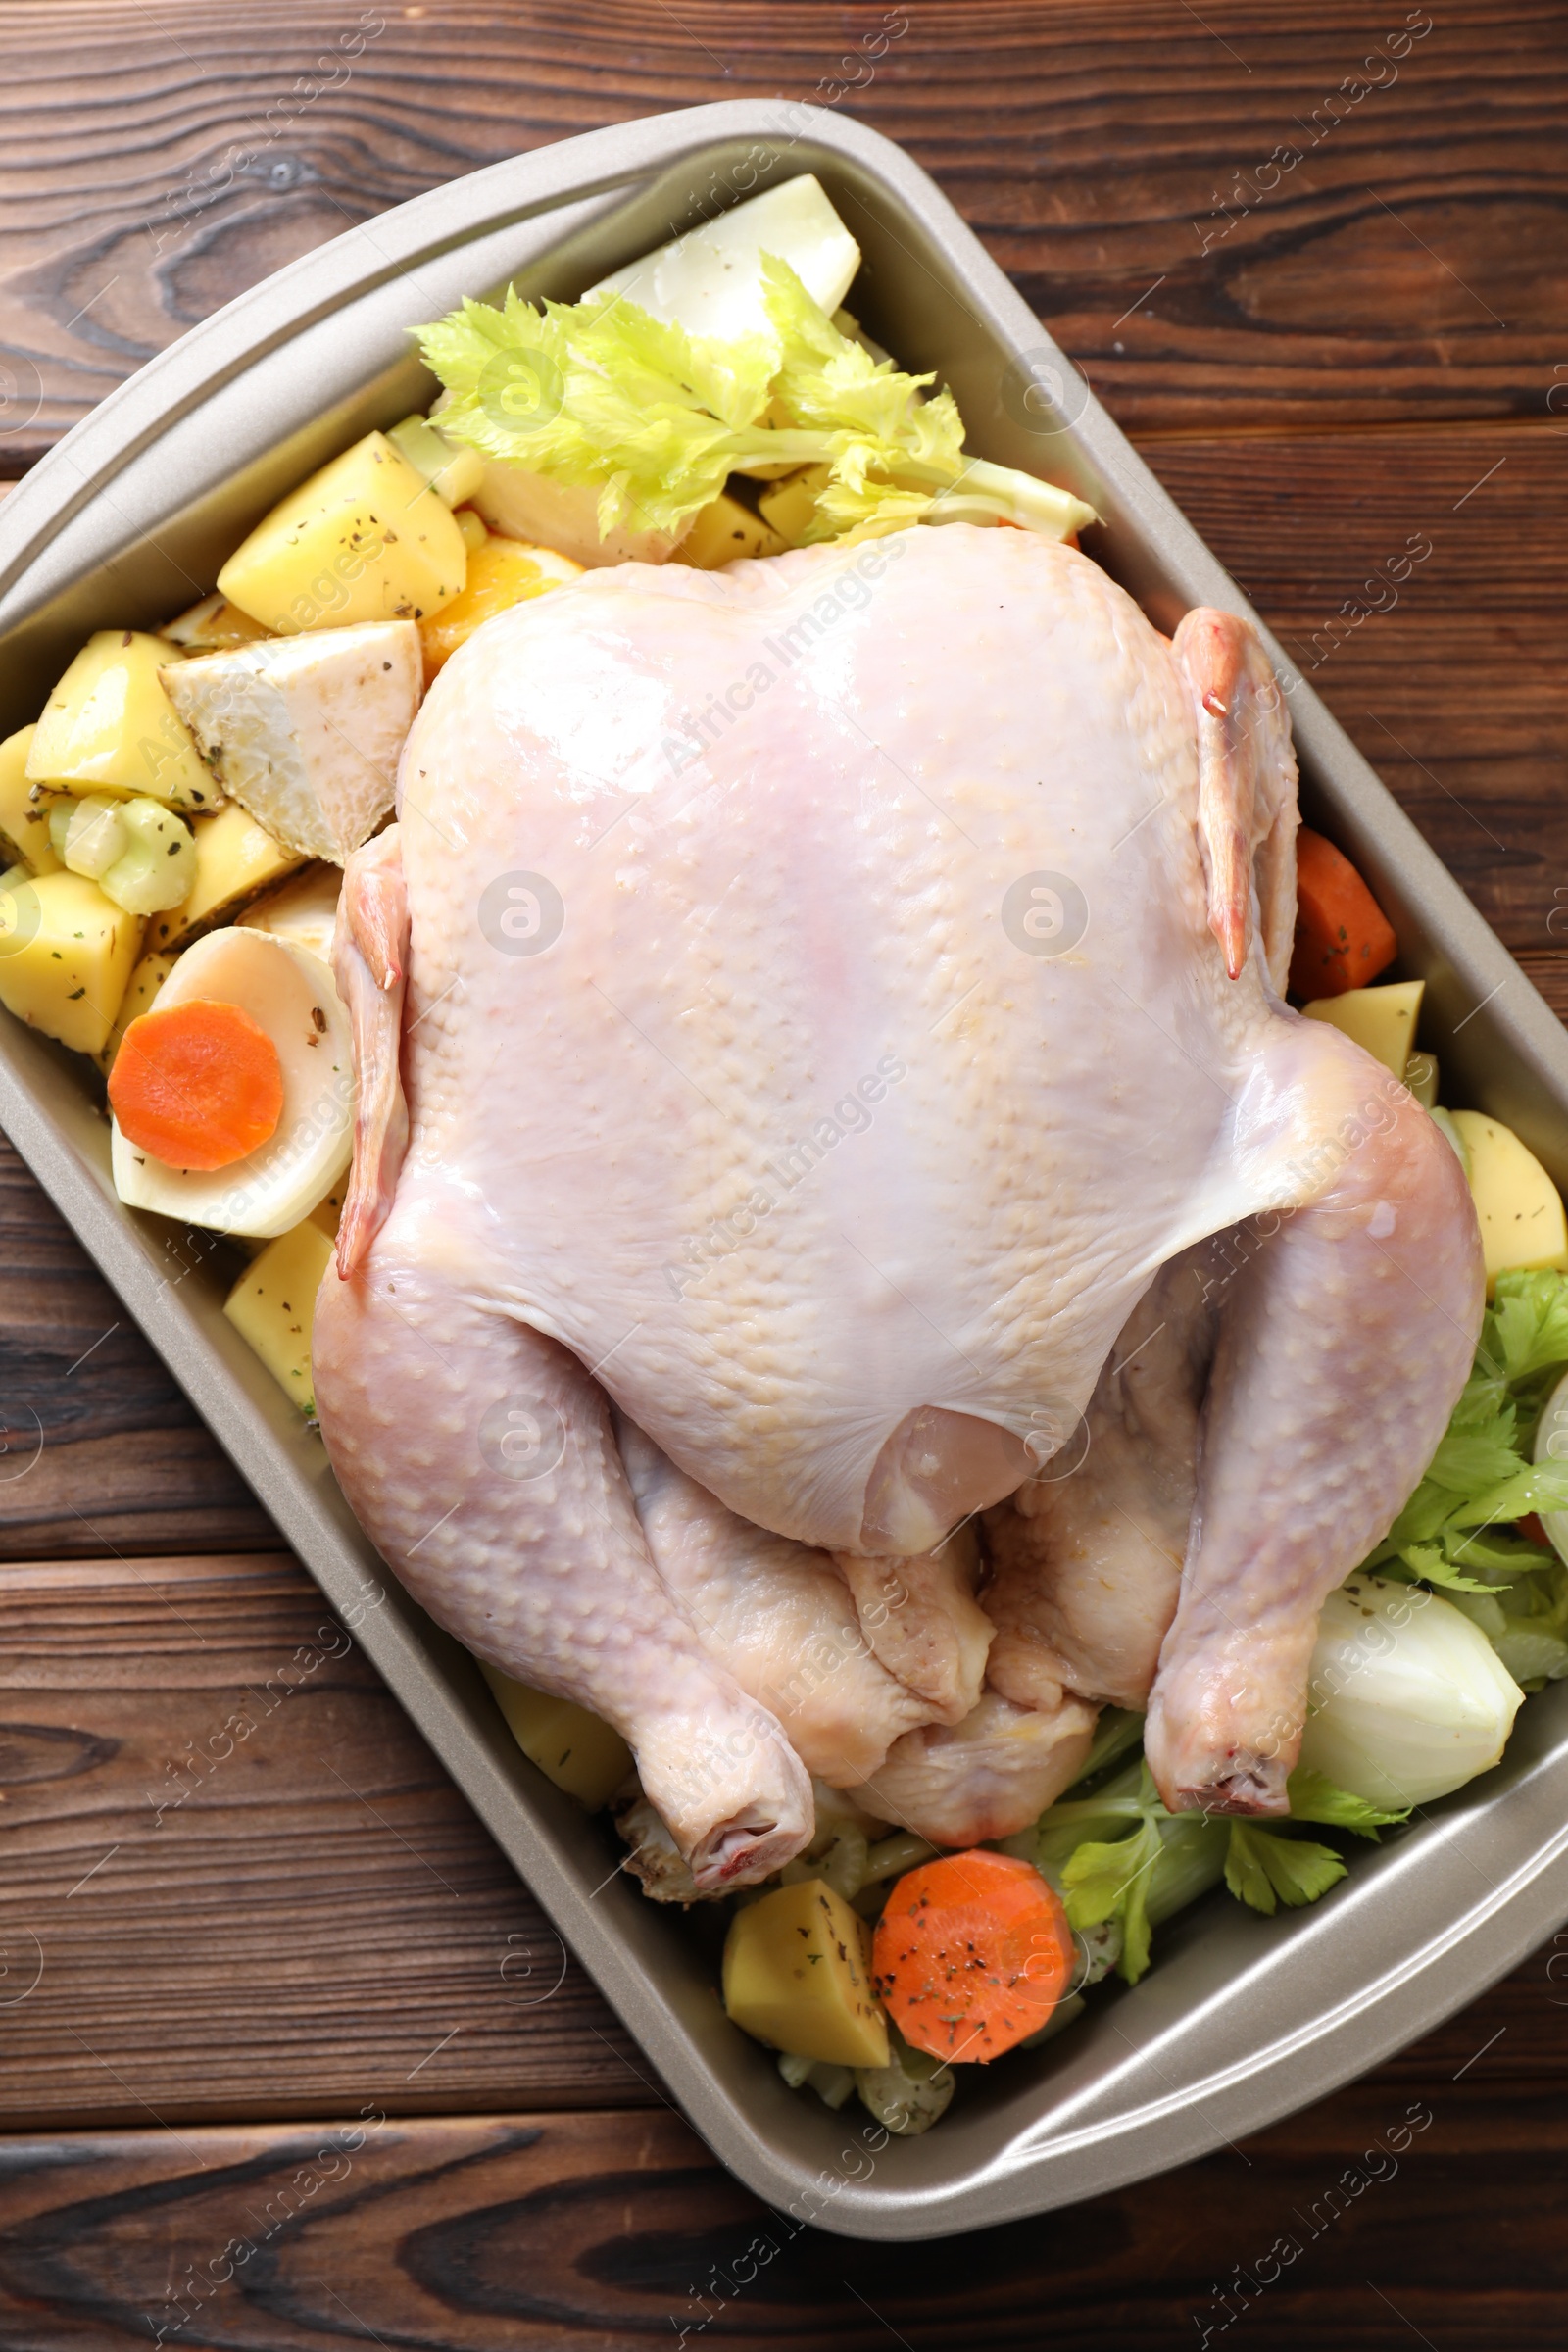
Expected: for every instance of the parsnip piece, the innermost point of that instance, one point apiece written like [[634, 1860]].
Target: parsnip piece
[[365, 539], [305, 732], [1522, 1223], [273, 1303], [236, 859], [578, 1752], [66, 956], [1383, 1020], [109, 726], [798, 1976], [24, 820]]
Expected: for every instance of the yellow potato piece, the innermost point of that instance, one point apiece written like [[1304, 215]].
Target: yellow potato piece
[[212, 627], [798, 1976], [235, 859], [23, 821], [109, 726], [1520, 1209], [578, 1752], [141, 995], [723, 531], [1423, 1077], [365, 539], [1383, 1020], [66, 956], [273, 1303], [502, 572], [790, 504]]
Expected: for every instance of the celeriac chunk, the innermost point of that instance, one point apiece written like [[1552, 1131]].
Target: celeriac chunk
[[710, 282], [304, 731]]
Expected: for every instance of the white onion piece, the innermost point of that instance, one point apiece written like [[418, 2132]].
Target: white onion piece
[[303, 910], [1409, 1698], [1551, 1445], [289, 993]]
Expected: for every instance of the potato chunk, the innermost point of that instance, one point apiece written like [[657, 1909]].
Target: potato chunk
[[1520, 1209], [365, 539], [24, 820], [273, 1303], [798, 1976], [1383, 1020], [66, 956], [109, 726], [236, 858], [578, 1752], [723, 531], [141, 995]]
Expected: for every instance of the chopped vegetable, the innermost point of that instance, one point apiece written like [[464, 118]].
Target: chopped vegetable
[[211, 625], [109, 726], [65, 955], [23, 819], [798, 1975], [289, 994], [1342, 937], [273, 1303], [198, 1084], [973, 1952], [236, 859], [141, 994], [579, 1751], [453, 475], [1380, 1020], [1520, 1209], [502, 572], [711, 280], [1406, 1700], [724, 532], [912, 2093], [306, 731], [365, 539], [1264, 1869], [139, 852], [600, 395]]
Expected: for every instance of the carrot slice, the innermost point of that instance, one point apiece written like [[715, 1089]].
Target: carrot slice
[[197, 1085], [1342, 937], [972, 1954]]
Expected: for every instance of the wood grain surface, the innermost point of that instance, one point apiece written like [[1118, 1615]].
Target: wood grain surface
[[1334, 317], [1127, 163]]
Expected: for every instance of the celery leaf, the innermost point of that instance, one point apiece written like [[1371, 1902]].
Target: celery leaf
[[1265, 1870]]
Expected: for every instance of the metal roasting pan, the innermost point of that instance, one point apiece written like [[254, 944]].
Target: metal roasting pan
[[1243, 2019]]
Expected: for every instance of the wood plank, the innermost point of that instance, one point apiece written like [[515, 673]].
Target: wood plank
[[99, 1449], [1375, 2221], [236, 1882], [1128, 164]]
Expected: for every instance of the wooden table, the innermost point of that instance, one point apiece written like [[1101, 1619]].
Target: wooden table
[[295, 2060]]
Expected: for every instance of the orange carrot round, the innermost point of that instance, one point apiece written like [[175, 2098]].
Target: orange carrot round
[[1342, 937], [197, 1085], [972, 1954]]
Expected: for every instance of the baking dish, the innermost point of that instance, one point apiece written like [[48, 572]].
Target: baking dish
[[129, 520]]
